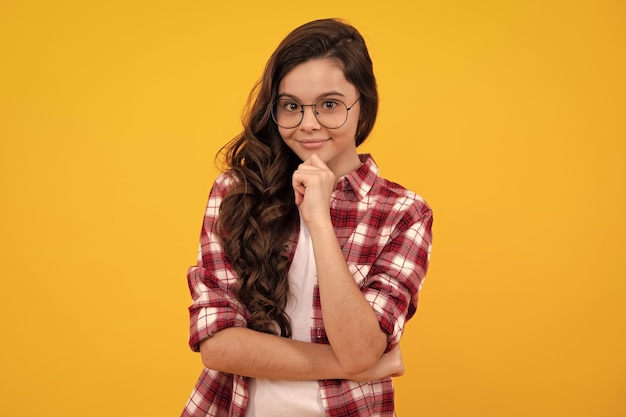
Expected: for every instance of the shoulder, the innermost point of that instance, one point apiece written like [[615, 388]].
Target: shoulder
[[226, 179], [223, 184], [220, 188], [399, 199], [387, 198]]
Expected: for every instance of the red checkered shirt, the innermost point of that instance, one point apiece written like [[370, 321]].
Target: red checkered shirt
[[385, 234]]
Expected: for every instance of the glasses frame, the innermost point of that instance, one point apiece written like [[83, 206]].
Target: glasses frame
[[314, 105]]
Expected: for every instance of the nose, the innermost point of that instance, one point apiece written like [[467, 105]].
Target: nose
[[309, 120]]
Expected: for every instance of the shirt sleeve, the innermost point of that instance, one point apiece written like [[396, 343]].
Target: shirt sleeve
[[210, 282], [397, 275]]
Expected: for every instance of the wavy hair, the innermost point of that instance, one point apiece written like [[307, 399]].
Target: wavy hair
[[258, 216]]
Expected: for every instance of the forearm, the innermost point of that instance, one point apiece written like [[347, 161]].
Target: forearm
[[255, 354], [350, 322]]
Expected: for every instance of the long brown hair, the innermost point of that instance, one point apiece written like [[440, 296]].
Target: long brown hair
[[258, 216]]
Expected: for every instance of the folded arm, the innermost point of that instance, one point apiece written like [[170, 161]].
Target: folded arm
[[247, 352]]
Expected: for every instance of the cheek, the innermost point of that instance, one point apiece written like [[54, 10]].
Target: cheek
[[349, 129]]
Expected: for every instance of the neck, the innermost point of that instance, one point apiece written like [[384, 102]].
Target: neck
[[346, 167]]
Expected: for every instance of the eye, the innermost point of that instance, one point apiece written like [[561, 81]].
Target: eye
[[329, 104], [288, 105]]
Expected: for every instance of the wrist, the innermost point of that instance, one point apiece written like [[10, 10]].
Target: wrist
[[318, 221]]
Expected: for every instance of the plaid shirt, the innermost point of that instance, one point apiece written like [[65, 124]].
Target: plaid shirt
[[385, 234]]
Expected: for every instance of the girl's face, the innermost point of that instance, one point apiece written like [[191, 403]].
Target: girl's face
[[308, 83]]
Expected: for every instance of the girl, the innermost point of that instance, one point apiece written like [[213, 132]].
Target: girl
[[310, 263]]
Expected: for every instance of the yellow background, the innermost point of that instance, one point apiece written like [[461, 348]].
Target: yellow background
[[507, 116]]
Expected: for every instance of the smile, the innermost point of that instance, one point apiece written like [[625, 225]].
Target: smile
[[312, 143]]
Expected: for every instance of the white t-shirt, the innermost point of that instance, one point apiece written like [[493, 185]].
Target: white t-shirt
[[279, 398]]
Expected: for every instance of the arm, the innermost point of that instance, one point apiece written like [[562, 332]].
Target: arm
[[351, 325], [247, 352], [250, 353], [355, 318], [218, 324], [218, 330]]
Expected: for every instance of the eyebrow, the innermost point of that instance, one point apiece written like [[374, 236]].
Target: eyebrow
[[323, 95]]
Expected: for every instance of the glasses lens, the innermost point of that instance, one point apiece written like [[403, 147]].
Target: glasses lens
[[331, 113], [287, 113]]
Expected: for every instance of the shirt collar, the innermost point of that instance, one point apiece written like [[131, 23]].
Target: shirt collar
[[362, 179]]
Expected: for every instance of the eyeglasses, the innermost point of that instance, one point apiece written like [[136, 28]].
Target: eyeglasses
[[329, 112]]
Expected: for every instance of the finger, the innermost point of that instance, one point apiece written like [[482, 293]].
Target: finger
[[316, 161], [298, 197], [299, 187], [307, 168], [298, 191]]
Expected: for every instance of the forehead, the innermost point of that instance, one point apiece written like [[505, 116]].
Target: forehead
[[315, 78]]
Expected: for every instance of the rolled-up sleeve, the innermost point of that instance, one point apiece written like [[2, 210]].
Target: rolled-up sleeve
[[211, 281], [393, 283]]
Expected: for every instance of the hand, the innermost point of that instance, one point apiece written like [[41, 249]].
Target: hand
[[390, 364], [313, 183]]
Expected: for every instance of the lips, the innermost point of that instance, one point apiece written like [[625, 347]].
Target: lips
[[312, 143], [312, 140]]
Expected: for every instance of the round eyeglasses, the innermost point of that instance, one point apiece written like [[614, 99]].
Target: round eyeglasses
[[329, 112]]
